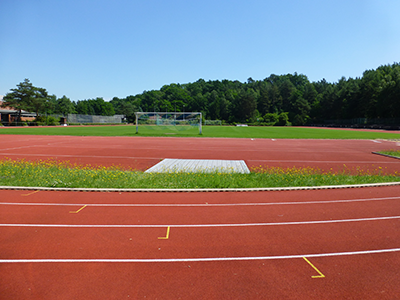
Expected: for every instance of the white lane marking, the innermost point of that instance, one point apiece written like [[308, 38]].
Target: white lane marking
[[22, 147], [197, 225], [340, 163], [206, 259], [198, 204], [71, 155]]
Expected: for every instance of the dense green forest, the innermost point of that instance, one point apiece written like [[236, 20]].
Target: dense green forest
[[276, 100]]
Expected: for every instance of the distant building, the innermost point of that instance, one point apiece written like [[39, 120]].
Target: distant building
[[9, 114]]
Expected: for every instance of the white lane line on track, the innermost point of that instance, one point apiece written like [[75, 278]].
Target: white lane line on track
[[197, 225], [340, 163], [81, 156], [198, 204], [206, 259], [22, 147]]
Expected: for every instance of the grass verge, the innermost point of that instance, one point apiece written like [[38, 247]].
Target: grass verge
[[62, 174], [394, 153]]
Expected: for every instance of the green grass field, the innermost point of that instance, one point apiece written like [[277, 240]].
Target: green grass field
[[208, 131]]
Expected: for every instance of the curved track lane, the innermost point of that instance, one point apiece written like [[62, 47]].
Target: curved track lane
[[321, 244], [143, 152], [63, 245]]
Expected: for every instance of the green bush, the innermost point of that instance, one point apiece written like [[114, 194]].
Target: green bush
[[52, 121], [283, 119], [40, 119], [271, 119]]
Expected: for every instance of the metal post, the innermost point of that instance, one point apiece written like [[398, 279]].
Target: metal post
[[137, 126], [201, 132]]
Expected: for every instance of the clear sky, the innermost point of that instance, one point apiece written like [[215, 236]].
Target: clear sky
[[104, 48]]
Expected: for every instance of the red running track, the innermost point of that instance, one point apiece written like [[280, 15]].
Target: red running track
[[254, 242], [58, 237], [143, 152]]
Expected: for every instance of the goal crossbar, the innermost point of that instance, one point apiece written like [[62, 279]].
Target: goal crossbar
[[174, 117]]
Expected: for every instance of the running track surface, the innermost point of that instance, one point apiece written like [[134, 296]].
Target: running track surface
[[143, 152], [249, 245]]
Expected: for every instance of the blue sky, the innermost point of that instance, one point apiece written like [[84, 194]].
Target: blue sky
[[85, 49]]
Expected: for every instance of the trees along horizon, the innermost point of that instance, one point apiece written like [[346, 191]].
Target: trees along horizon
[[27, 97], [289, 98], [30, 98]]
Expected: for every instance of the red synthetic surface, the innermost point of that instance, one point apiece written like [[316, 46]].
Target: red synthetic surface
[[144, 152], [365, 276]]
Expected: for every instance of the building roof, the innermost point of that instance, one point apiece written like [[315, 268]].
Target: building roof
[[10, 110], [5, 109]]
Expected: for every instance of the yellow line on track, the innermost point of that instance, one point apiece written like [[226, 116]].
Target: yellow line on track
[[30, 193], [167, 236], [75, 212], [320, 274]]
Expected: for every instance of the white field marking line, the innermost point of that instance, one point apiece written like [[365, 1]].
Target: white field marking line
[[22, 147], [31, 146], [206, 259], [199, 204], [198, 225], [71, 155], [321, 161]]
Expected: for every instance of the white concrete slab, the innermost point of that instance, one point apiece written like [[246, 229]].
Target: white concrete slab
[[171, 165]]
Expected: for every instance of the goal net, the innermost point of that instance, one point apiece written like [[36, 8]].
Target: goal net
[[169, 120]]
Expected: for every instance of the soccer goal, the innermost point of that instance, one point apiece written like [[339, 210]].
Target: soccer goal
[[170, 120]]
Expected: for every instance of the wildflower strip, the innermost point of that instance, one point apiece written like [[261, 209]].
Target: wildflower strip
[[64, 175]]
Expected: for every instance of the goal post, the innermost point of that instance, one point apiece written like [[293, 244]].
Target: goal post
[[169, 119]]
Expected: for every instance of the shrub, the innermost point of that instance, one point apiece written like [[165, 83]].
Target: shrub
[[283, 119], [271, 119], [40, 119], [52, 120]]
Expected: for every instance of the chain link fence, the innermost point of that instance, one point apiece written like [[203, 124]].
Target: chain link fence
[[371, 123], [93, 119]]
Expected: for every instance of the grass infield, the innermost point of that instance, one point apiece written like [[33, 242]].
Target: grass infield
[[62, 174], [394, 153], [208, 131]]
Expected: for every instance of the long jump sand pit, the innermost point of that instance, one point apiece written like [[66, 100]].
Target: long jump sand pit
[[169, 165]]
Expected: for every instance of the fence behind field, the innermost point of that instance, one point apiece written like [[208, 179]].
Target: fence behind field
[[75, 118]]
